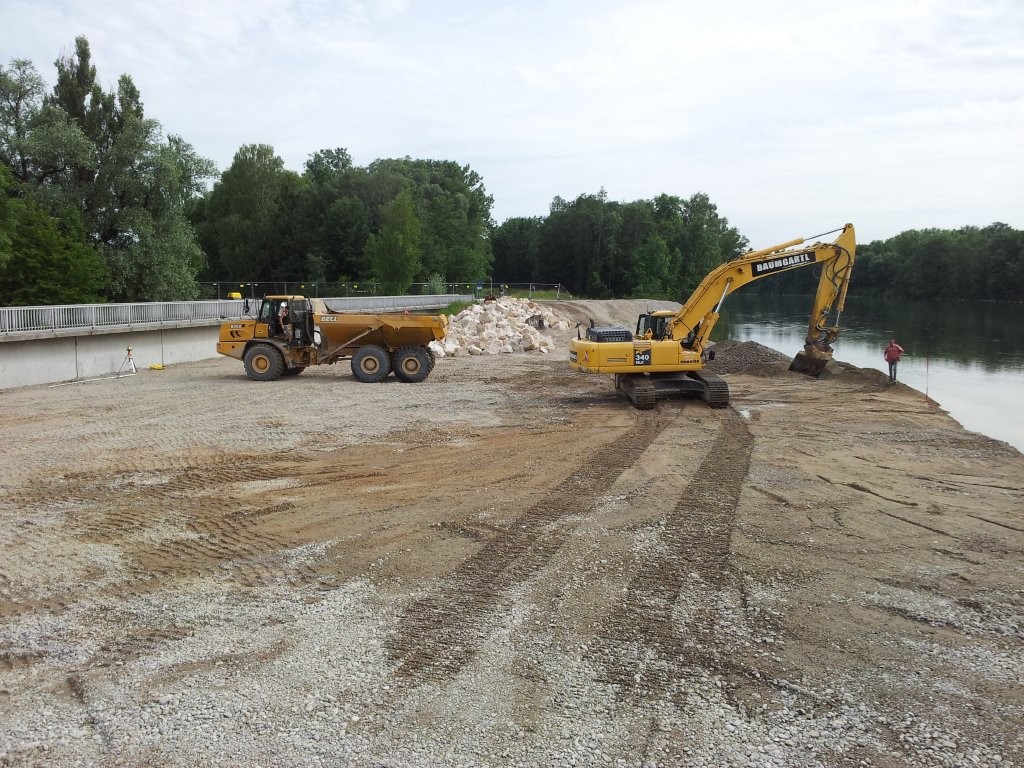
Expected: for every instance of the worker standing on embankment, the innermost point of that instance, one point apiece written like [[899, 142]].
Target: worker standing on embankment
[[893, 353]]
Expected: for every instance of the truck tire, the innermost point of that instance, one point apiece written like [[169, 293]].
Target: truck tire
[[371, 364], [263, 362], [412, 364]]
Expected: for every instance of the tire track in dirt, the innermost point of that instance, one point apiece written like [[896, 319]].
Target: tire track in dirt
[[169, 520], [645, 647], [438, 634]]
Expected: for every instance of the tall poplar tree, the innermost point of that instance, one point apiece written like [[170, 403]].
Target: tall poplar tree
[[86, 154], [394, 252]]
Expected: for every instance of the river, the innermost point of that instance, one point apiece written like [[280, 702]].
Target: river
[[966, 356]]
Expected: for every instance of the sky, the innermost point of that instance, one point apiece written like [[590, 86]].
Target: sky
[[793, 117]]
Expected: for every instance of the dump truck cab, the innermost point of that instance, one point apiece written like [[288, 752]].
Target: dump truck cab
[[289, 318]]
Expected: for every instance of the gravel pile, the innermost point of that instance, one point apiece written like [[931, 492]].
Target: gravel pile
[[747, 357]]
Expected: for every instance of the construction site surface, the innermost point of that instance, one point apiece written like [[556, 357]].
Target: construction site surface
[[506, 564]]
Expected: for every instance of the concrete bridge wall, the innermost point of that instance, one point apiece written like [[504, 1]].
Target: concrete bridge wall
[[48, 358]]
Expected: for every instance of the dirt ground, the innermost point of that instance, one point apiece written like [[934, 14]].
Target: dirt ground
[[506, 565]]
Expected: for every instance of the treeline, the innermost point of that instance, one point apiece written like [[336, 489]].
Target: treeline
[[395, 222], [404, 221], [659, 248], [978, 263], [96, 204], [970, 263]]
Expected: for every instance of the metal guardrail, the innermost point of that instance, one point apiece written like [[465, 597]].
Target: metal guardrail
[[90, 316], [14, 320]]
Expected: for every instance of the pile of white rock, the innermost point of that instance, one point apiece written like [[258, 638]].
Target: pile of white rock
[[500, 326]]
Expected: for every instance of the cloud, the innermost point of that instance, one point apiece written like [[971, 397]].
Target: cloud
[[786, 114]]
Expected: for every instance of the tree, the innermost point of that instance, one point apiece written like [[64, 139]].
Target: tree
[[241, 215], [43, 261], [650, 269], [984, 263], [706, 241], [92, 158], [576, 245], [453, 208], [334, 213], [516, 248], [39, 141], [344, 230], [394, 253]]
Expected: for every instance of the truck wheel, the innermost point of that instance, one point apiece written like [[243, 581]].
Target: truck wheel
[[263, 363], [413, 364], [371, 364]]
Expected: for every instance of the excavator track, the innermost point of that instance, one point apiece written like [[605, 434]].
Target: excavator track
[[716, 389], [638, 388]]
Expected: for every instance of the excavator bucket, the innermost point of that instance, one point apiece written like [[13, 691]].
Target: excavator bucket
[[811, 361]]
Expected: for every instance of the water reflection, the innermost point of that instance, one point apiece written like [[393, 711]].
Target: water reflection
[[968, 357]]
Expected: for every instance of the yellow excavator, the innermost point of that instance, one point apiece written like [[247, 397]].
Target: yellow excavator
[[669, 350]]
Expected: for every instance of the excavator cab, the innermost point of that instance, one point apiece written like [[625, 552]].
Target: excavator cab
[[654, 325]]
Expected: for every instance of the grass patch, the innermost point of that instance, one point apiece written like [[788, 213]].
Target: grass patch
[[457, 306]]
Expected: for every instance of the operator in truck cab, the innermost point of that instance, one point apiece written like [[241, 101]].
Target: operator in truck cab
[[282, 317]]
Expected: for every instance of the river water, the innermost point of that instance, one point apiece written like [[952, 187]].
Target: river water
[[966, 356]]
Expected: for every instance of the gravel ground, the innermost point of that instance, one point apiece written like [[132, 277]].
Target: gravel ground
[[506, 566]]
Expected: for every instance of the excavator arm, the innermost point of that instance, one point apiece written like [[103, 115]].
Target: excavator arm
[[668, 350], [697, 317]]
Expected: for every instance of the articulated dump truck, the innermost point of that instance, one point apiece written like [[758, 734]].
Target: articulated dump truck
[[290, 333]]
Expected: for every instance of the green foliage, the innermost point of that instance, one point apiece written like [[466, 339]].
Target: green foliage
[[43, 261], [91, 157], [242, 209], [516, 248], [659, 248], [262, 223], [435, 285], [90, 176], [454, 211], [8, 216], [984, 263], [650, 269], [394, 252], [456, 307]]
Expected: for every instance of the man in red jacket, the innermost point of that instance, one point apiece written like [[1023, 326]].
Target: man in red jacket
[[892, 356]]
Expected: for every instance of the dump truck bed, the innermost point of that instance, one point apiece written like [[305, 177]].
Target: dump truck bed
[[348, 330]]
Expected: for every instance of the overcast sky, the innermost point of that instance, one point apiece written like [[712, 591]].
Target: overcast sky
[[794, 117]]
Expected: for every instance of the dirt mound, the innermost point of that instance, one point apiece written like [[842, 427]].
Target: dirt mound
[[607, 312]]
